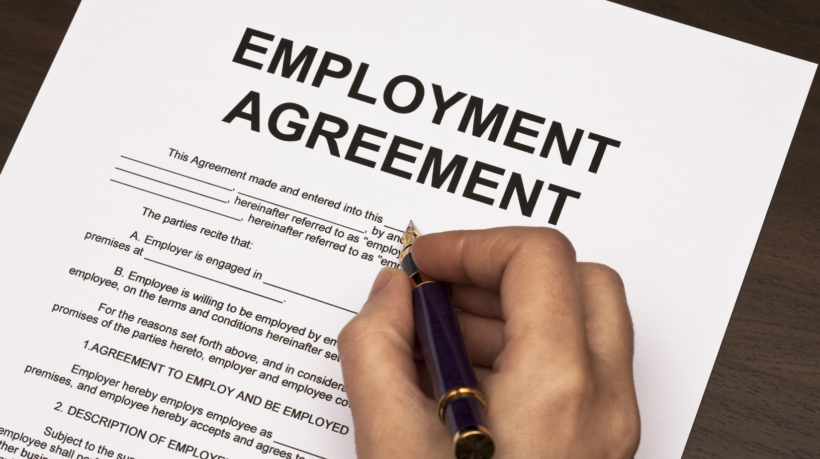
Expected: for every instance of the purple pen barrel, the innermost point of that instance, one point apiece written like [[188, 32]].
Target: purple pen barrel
[[454, 381], [461, 404]]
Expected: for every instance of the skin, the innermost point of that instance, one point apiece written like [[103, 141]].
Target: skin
[[551, 340]]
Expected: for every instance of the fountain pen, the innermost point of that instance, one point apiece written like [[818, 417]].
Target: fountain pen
[[461, 405]]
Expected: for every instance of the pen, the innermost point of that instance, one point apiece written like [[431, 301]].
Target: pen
[[461, 404]]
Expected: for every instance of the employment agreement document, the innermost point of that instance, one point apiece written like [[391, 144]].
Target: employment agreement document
[[204, 191]]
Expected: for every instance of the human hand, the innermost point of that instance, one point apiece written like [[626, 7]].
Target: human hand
[[550, 338]]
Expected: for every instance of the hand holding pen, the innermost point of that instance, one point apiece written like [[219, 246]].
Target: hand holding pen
[[550, 339]]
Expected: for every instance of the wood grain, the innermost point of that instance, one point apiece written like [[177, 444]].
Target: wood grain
[[763, 399], [30, 34]]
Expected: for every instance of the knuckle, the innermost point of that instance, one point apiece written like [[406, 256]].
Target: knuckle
[[574, 387], [552, 241], [352, 333], [363, 333], [625, 425], [602, 276]]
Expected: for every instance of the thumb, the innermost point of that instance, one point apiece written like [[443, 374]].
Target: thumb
[[390, 412]]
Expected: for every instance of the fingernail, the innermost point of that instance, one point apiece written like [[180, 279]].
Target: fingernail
[[382, 279]]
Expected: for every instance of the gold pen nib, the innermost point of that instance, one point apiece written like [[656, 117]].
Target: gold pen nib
[[406, 259], [410, 235], [407, 239]]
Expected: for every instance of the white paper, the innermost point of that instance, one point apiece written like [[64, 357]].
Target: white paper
[[704, 125]]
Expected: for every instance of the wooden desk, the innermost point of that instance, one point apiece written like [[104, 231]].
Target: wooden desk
[[763, 399]]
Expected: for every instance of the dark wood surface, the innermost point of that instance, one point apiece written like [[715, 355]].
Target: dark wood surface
[[763, 398]]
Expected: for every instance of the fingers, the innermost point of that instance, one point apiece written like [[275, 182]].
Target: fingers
[[608, 322], [481, 257], [381, 380], [476, 300], [610, 338], [535, 271], [381, 335], [483, 338]]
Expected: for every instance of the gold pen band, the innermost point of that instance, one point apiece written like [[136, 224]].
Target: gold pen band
[[419, 278], [458, 393]]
